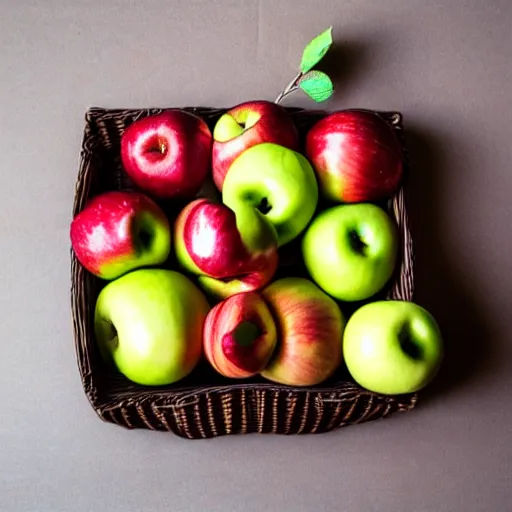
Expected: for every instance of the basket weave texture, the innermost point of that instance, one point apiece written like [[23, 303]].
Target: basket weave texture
[[204, 404]]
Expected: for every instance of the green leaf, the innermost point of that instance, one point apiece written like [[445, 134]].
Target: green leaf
[[317, 85], [315, 50]]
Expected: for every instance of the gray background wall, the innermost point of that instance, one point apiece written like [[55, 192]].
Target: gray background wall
[[444, 64]]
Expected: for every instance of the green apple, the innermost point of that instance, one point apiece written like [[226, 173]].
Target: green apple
[[392, 347], [149, 323], [277, 181], [351, 250]]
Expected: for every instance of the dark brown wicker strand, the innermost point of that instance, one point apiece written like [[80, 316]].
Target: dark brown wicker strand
[[204, 405]]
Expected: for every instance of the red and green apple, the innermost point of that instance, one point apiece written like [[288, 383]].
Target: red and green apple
[[120, 231], [239, 335], [356, 155], [310, 328], [246, 125], [230, 251]]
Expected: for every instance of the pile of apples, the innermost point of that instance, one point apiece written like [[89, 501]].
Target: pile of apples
[[205, 282]]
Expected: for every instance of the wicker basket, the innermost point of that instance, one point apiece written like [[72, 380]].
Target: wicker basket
[[205, 404]]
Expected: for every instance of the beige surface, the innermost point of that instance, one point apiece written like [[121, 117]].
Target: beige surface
[[445, 65]]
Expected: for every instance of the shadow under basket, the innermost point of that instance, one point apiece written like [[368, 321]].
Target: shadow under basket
[[204, 404]]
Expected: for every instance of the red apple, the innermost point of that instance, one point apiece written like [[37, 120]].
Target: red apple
[[310, 327], [120, 231], [239, 336], [245, 126], [167, 154], [356, 155], [231, 252]]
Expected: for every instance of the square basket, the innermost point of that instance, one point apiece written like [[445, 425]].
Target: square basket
[[204, 404]]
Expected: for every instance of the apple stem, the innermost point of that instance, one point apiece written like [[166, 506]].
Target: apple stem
[[291, 87]]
